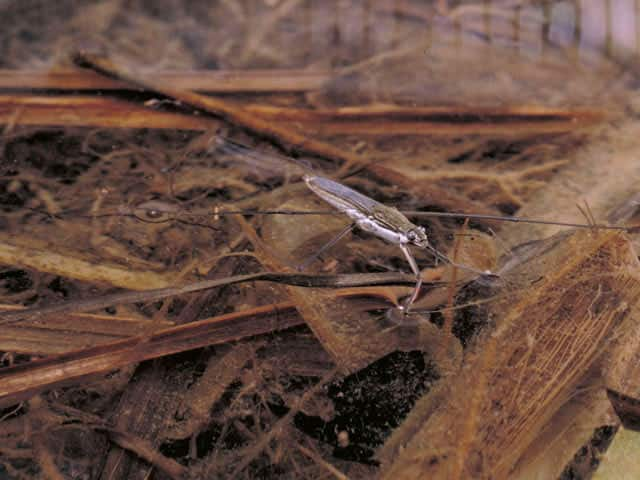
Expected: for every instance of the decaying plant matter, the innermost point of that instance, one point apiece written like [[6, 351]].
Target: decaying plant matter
[[545, 341], [144, 329]]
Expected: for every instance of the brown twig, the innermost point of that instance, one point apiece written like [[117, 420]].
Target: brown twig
[[23, 381], [63, 333], [83, 111], [322, 462], [232, 112], [144, 449], [213, 81], [107, 112], [302, 280], [521, 120]]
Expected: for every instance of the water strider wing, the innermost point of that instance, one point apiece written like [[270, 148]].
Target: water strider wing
[[340, 196], [348, 200]]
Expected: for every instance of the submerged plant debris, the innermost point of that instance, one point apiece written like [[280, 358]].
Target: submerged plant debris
[[148, 329]]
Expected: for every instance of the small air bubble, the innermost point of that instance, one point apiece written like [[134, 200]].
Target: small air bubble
[[155, 211]]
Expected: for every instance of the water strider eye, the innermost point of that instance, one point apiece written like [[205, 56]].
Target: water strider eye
[[417, 236], [412, 235]]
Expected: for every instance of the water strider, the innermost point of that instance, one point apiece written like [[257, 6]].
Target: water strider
[[385, 222]]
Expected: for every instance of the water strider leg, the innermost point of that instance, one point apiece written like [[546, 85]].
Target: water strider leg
[[443, 257], [414, 268], [307, 261], [416, 271]]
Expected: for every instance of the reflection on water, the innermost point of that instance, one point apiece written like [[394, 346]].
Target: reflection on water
[[336, 33]]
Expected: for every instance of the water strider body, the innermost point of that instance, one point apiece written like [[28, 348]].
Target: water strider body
[[368, 214], [385, 222]]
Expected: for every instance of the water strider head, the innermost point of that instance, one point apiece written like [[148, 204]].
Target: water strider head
[[417, 236]]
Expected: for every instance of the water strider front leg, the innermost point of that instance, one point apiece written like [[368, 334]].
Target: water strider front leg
[[414, 268]]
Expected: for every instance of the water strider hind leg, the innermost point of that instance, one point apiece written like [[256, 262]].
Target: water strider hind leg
[[307, 261]]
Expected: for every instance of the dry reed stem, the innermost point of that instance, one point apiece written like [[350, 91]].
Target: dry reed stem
[[213, 81], [319, 281], [29, 253], [584, 287], [59, 334], [368, 120], [568, 430], [529, 120], [145, 449], [23, 381], [322, 462], [622, 372], [83, 111]]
